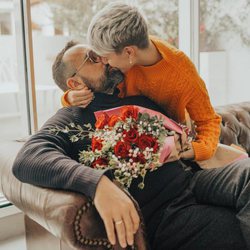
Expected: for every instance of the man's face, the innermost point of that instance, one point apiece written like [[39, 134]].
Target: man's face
[[96, 75], [102, 80]]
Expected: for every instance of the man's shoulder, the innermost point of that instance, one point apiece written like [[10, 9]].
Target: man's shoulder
[[66, 115], [72, 111]]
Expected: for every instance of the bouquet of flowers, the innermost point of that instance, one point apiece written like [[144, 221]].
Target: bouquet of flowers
[[130, 140]]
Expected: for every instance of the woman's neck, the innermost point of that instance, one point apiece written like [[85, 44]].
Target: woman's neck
[[148, 56]]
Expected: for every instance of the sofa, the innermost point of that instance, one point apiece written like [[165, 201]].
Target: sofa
[[61, 220]]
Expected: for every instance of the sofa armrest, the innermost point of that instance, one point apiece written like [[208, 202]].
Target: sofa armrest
[[69, 216]]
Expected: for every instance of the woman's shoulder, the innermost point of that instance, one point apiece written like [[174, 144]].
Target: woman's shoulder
[[169, 52]]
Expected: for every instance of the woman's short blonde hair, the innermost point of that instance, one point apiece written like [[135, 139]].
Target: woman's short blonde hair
[[116, 26]]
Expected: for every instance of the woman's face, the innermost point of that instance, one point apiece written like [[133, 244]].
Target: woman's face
[[122, 60]]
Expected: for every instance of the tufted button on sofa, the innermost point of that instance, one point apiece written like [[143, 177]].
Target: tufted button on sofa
[[61, 220]]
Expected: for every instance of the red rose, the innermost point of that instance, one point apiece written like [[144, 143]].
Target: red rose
[[96, 144], [131, 135], [102, 120], [100, 161], [122, 149], [129, 111], [113, 120], [148, 141], [140, 158]]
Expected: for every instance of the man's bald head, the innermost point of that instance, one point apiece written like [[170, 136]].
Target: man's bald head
[[75, 54], [65, 63]]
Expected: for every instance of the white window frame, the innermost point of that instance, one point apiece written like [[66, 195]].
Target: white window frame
[[189, 29], [24, 34]]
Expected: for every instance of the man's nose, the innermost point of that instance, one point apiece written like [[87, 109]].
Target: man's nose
[[104, 60]]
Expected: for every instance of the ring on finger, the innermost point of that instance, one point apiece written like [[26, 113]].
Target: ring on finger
[[118, 222]]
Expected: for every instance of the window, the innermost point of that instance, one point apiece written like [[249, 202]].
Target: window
[[162, 17], [13, 101], [13, 110], [47, 42], [225, 49]]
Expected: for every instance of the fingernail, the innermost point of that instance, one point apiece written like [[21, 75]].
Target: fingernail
[[131, 243]]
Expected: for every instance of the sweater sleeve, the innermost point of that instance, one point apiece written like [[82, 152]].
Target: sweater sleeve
[[64, 100], [46, 160], [199, 107]]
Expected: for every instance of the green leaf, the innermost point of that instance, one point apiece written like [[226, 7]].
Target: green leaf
[[145, 116]]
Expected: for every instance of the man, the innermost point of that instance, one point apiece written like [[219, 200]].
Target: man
[[173, 216]]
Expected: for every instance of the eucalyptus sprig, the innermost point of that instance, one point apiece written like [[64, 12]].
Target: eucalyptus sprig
[[75, 131]]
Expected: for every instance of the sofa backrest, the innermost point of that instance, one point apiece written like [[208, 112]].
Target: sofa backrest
[[235, 126]]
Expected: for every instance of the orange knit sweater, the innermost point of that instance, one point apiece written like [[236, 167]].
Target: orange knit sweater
[[174, 84]]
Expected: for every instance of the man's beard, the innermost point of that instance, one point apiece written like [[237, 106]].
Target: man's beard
[[107, 83], [112, 77]]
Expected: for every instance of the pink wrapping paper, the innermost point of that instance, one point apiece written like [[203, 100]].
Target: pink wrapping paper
[[167, 149], [168, 123]]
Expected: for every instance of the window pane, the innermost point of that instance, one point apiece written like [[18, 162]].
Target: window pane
[[13, 113], [225, 49], [162, 18]]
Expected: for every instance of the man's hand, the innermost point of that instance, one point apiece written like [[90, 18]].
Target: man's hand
[[188, 154], [117, 212], [81, 97]]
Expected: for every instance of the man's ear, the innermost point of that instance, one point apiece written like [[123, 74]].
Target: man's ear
[[74, 84]]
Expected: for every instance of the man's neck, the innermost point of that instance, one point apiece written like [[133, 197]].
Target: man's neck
[[148, 56]]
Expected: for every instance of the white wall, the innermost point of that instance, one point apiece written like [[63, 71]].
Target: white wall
[[227, 75]]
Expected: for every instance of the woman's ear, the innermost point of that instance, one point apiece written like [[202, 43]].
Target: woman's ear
[[72, 83], [131, 54], [130, 50]]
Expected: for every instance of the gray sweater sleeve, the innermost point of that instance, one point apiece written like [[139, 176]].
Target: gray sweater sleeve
[[46, 160]]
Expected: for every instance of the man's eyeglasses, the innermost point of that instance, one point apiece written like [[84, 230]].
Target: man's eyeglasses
[[92, 57]]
